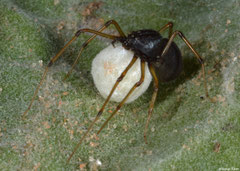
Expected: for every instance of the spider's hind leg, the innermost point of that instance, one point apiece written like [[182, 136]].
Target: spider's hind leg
[[199, 58]]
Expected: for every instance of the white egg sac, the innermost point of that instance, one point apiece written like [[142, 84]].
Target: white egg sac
[[108, 65]]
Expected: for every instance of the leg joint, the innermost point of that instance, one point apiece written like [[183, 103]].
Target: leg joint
[[120, 78], [179, 33], [118, 107], [99, 113], [170, 24], [84, 44], [155, 89], [201, 60], [78, 32], [50, 63], [109, 22], [139, 83]]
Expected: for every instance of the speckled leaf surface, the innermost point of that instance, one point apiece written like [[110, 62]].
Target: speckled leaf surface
[[187, 131]]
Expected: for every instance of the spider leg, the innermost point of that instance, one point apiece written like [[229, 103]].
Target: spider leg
[[60, 53], [106, 25], [154, 96], [106, 101], [137, 84], [180, 34], [45, 73], [168, 25]]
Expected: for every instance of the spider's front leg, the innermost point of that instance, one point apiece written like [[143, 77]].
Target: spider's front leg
[[84, 45], [103, 106], [77, 34]]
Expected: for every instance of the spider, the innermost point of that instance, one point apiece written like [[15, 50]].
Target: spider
[[158, 53]]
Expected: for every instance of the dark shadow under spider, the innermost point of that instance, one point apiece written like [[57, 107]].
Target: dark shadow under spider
[[151, 48]]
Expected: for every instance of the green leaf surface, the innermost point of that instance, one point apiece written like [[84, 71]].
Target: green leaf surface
[[186, 132]]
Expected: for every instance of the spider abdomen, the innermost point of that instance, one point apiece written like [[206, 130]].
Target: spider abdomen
[[169, 66]]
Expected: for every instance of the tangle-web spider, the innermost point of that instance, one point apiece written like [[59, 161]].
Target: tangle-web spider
[[151, 48]]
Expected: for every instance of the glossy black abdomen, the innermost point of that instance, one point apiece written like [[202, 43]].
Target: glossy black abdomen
[[169, 66]]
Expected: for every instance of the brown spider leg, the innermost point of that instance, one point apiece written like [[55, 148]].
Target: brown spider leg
[[154, 96], [137, 84], [106, 101], [106, 25], [168, 25], [45, 73], [57, 56], [180, 34]]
